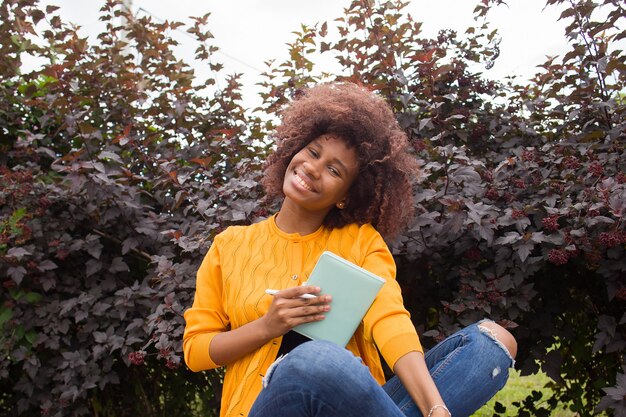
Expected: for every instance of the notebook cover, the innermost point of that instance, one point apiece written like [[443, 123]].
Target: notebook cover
[[353, 290]]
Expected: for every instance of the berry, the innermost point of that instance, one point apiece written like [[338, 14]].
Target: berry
[[518, 183], [571, 162], [528, 156], [551, 222], [494, 296], [610, 239], [492, 194], [518, 214], [596, 169], [557, 187], [137, 357], [558, 256]]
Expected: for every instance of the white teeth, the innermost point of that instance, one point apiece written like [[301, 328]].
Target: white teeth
[[302, 183]]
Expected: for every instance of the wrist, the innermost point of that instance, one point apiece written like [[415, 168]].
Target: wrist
[[263, 329], [439, 410]]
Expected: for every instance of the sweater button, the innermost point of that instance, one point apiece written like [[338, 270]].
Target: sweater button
[[294, 277]]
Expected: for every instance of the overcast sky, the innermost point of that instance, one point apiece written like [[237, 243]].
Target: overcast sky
[[249, 32]]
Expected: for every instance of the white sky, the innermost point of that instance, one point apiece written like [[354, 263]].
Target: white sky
[[250, 32]]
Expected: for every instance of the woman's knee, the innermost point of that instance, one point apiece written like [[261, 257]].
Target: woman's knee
[[324, 361], [502, 335]]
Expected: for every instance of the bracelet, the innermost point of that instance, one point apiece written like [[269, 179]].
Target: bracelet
[[430, 413]]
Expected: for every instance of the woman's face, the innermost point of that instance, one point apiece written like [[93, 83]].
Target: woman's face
[[320, 175]]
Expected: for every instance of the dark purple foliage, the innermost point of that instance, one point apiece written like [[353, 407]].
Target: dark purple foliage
[[118, 166]]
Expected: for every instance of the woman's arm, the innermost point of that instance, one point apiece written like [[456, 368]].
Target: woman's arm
[[412, 371], [286, 311]]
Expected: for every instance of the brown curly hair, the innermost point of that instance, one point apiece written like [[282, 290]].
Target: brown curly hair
[[382, 192]]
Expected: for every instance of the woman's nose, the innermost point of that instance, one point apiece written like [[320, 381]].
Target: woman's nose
[[311, 168]]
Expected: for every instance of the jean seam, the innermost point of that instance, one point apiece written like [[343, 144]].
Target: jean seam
[[396, 388]]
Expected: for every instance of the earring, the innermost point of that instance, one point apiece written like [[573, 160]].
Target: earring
[[341, 205]]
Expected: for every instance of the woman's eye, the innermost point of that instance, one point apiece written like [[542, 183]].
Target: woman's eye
[[313, 153], [333, 171]]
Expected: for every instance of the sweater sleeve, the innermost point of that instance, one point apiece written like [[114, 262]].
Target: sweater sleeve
[[207, 317], [388, 322]]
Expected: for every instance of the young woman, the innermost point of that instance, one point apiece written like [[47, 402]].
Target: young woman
[[344, 174]]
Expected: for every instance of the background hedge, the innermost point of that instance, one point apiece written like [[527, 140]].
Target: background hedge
[[118, 165]]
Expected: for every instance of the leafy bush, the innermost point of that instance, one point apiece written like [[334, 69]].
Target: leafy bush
[[116, 171], [118, 168]]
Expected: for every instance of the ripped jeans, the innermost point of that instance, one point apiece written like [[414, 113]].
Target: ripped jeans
[[321, 379]]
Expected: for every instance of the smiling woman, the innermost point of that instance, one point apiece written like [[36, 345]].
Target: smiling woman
[[343, 171], [366, 126]]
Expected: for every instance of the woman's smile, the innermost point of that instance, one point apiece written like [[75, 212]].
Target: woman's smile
[[303, 181]]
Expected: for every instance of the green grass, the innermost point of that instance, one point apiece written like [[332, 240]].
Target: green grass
[[516, 389]]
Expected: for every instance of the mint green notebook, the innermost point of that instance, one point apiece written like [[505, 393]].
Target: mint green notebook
[[353, 290]]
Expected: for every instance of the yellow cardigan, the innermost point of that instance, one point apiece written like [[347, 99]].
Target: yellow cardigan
[[230, 291]]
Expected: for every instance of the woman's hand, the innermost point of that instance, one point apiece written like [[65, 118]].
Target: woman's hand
[[288, 309]]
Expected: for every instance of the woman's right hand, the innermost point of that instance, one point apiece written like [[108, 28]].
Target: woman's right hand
[[288, 309]]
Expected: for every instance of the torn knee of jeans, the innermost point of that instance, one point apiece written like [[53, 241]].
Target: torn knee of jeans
[[490, 333], [271, 369]]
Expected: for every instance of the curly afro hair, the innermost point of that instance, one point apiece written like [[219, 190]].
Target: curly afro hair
[[382, 192]]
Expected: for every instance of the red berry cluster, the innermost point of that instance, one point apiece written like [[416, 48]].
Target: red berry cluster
[[492, 194], [571, 162], [612, 239], [518, 183], [596, 169], [487, 175], [557, 187], [518, 214], [62, 253], [551, 222], [621, 294], [558, 256], [529, 155], [137, 357], [494, 296]]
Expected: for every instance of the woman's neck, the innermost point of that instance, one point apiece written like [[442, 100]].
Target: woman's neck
[[295, 220]]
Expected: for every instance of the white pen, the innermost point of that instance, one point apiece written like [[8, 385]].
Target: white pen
[[272, 292]]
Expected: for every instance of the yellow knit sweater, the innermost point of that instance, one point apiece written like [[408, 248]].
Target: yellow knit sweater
[[230, 292]]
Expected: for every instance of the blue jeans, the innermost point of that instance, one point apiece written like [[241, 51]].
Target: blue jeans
[[322, 379]]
